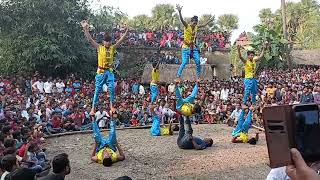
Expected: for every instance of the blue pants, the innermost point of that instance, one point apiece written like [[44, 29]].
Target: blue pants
[[155, 128], [243, 124], [109, 141], [101, 79], [186, 52], [250, 87], [154, 92]]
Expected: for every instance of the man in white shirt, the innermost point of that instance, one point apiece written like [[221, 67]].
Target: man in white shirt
[[235, 114], [224, 94], [141, 90], [48, 87], [101, 117], [38, 85], [171, 88], [60, 86]]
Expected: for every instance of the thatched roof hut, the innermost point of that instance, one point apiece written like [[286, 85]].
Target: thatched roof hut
[[168, 73], [306, 57]]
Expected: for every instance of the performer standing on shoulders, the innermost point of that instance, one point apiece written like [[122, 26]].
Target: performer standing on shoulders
[[189, 47], [155, 74], [250, 82], [106, 55]]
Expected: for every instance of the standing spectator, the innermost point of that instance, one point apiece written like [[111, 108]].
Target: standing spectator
[[60, 86], [135, 87], [38, 86], [48, 86], [141, 90], [224, 94]]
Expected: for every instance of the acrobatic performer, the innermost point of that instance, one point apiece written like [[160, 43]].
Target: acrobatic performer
[[189, 47], [187, 108], [106, 55], [154, 82], [105, 148], [240, 133], [250, 82], [156, 130]]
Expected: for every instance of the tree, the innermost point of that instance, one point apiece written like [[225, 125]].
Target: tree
[[44, 35], [164, 16], [204, 19], [228, 22], [140, 22], [106, 17]]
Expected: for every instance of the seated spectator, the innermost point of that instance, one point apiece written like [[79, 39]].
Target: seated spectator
[[60, 168], [9, 163]]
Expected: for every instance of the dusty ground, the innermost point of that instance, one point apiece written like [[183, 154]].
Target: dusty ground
[[160, 158]]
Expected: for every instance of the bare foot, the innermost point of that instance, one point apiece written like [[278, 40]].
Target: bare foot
[[92, 112], [178, 80]]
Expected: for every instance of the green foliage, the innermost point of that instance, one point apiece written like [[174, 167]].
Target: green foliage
[[44, 35], [228, 22]]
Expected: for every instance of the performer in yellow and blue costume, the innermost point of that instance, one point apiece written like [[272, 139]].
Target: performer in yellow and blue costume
[[189, 47], [250, 68], [156, 129], [106, 54], [240, 133], [155, 74], [250, 82], [105, 73]]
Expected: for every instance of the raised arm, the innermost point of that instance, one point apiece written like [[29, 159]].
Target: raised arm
[[85, 26], [262, 52], [122, 38], [239, 54], [179, 8], [205, 24]]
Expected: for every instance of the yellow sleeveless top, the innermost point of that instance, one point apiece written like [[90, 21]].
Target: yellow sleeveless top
[[189, 36], [105, 58], [186, 109], [155, 74], [250, 68], [114, 155]]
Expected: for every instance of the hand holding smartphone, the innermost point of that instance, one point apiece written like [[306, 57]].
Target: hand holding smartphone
[[289, 127]]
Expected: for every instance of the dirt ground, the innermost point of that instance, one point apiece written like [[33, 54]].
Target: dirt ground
[[160, 158]]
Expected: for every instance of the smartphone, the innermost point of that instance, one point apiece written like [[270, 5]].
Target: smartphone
[[307, 131]]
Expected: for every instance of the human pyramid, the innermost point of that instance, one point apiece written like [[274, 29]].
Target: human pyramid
[[107, 151]]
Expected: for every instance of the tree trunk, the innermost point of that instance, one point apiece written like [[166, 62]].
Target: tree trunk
[[285, 34]]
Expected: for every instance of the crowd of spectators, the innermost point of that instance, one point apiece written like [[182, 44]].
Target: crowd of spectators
[[169, 38], [34, 106]]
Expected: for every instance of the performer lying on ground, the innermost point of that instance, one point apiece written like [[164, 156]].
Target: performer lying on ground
[[189, 47], [156, 130], [240, 133], [105, 73], [105, 148], [187, 108]]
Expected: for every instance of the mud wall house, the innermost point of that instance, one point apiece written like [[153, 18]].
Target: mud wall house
[[306, 57]]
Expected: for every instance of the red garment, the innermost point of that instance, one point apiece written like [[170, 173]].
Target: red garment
[[22, 150], [77, 118], [56, 122], [134, 122]]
